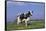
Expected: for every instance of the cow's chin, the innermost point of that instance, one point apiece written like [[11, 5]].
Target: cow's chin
[[31, 15]]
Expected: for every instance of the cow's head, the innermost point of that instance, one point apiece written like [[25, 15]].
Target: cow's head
[[30, 13]]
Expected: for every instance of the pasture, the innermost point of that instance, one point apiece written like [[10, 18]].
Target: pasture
[[34, 25]]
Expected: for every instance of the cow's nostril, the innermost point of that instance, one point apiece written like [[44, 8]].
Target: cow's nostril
[[31, 15]]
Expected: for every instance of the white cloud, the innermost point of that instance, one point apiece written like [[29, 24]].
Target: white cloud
[[31, 0], [16, 3]]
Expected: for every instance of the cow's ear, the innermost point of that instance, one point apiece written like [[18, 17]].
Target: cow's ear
[[32, 11]]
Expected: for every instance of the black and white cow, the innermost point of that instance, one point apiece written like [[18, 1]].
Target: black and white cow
[[24, 17]]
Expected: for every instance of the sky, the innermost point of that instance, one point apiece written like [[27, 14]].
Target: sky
[[15, 8]]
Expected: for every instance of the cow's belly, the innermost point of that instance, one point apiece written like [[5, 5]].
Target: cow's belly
[[26, 19]]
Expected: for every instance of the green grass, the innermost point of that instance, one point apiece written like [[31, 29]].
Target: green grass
[[34, 25]]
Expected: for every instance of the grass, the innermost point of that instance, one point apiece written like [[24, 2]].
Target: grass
[[34, 25]]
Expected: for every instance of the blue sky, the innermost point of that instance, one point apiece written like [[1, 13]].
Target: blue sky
[[13, 8]]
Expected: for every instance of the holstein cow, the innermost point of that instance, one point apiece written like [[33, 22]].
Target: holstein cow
[[24, 17]]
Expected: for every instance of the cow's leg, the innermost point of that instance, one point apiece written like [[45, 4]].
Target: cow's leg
[[18, 20], [25, 23]]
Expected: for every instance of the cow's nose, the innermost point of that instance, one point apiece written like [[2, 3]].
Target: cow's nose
[[31, 15]]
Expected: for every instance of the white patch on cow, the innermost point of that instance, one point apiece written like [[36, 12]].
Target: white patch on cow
[[18, 20], [26, 20], [31, 12]]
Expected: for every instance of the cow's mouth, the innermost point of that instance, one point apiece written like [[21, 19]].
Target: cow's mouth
[[31, 15]]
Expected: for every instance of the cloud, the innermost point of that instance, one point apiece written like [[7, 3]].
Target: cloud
[[16, 3], [17, 0], [21, 3]]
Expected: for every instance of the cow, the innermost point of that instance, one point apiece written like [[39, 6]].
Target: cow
[[24, 17]]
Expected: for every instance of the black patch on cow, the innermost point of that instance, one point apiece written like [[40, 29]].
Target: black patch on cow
[[22, 16], [28, 14], [25, 16]]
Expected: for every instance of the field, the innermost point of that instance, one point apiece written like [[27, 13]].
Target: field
[[33, 25]]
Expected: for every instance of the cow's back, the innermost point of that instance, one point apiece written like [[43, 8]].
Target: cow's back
[[22, 16]]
